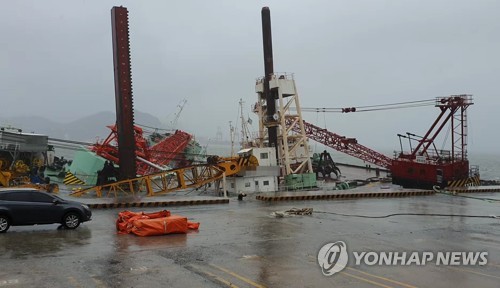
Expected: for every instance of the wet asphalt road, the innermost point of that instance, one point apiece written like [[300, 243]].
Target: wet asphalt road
[[241, 245]]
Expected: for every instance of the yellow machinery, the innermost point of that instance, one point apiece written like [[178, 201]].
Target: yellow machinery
[[5, 178], [17, 150], [5, 174], [16, 177], [173, 180], [16, 174]]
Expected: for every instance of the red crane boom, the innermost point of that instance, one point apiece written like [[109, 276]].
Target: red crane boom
[[343, 144]]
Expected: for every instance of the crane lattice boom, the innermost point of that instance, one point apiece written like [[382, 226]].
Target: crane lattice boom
[[349, 146]]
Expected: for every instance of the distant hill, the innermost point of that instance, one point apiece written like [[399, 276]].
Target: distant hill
[[84, 129]]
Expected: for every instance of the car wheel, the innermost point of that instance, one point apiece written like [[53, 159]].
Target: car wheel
[[4, 224], [71, 220]]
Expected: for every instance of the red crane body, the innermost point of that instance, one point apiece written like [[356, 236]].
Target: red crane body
[[423, 167]]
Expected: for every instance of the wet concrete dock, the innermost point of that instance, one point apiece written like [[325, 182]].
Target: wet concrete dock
[[241, 244]]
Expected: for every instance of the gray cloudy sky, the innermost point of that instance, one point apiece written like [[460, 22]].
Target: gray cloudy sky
[[56, 61]]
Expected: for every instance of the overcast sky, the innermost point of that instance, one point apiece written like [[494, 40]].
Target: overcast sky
[[56, 61]]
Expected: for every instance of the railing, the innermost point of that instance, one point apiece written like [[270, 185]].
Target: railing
[[431, 156], [10, 146], [276, 75]]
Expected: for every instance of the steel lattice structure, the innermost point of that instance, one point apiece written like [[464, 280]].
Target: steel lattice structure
[[349, 146]]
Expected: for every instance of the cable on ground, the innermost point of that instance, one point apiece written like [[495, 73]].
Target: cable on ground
[[410, 214], [437, 190]]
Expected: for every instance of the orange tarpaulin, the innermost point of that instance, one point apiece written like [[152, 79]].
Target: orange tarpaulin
[[149, 224]]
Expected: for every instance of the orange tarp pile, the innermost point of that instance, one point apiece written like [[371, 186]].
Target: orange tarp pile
[[149, 224]]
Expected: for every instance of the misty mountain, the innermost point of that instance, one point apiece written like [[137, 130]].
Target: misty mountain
[[84, 129]]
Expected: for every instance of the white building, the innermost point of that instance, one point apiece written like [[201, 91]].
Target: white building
[[262, 178]]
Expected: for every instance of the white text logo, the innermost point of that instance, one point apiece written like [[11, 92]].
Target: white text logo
[[333, 258], [421, 258]]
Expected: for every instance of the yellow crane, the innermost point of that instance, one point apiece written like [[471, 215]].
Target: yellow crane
[[194, 176]]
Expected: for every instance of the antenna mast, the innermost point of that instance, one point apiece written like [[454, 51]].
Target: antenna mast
[[245, 132], [231, 137]]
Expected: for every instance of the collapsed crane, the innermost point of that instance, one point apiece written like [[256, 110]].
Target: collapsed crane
[[195, 176], [149, 158]]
